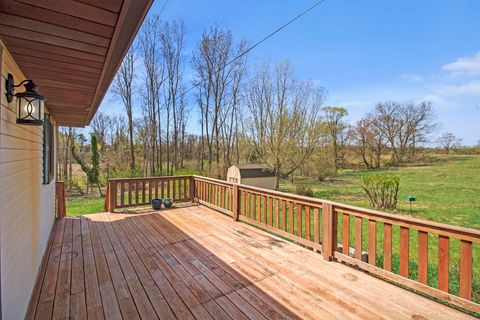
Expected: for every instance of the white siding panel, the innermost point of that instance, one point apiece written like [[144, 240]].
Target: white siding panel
[[27, 207]]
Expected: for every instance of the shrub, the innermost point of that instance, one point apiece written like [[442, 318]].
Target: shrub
[[382, 190], [304, 190], [320, 165]]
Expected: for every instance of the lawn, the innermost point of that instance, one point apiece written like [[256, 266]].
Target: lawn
[[447, 189], [80, 205]]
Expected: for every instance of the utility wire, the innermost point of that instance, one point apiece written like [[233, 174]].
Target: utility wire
[[163, 8], [298, 16], [275, 32]]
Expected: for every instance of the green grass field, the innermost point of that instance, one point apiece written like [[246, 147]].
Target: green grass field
[[447, 189]]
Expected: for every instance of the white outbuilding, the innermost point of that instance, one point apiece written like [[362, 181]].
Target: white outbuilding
[[256, 175]]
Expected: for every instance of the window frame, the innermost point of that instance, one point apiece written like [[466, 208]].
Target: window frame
[[48, 158]]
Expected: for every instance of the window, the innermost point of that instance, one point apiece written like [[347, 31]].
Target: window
[[48, 150]]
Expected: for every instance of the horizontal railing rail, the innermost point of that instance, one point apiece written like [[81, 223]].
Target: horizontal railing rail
[[377, 242]]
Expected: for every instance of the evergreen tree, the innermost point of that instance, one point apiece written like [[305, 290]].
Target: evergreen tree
[[92, 171]]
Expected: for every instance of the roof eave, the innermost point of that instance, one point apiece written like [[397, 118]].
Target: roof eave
[[129, 21]]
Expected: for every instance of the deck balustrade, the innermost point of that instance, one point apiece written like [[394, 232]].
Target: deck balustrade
[[356, 236]]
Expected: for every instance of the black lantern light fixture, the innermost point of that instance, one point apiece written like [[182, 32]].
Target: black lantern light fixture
[[30, 105]]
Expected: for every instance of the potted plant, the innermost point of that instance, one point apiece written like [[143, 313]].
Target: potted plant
[[168, 202], [156, 204]]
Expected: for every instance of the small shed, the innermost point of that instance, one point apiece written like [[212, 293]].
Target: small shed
[[257, 175]]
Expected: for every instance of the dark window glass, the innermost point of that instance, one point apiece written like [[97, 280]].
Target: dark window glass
[[48, 150]]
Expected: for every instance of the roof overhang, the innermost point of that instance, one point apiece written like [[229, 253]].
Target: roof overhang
[[71, 49]]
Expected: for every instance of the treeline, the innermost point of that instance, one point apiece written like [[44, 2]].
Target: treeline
[[245, 112]]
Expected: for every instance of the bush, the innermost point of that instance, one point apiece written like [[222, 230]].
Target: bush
[[382, 190], [320, 165], [304, 190]]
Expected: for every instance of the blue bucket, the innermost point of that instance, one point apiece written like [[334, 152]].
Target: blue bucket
[[156, 204]]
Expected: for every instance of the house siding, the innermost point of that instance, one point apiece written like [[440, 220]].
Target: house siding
[[27, 207]]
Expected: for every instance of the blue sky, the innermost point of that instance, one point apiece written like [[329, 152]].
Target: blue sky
[[362, 52]]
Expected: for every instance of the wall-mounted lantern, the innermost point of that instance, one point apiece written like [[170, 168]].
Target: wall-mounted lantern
[[30, 105]]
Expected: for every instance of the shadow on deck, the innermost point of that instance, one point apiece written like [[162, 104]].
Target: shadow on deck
[[195, 263]]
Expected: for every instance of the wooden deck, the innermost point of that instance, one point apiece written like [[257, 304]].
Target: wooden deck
[[195, 263]]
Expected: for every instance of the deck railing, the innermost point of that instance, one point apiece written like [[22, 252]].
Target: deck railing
[[134, 192], [360, 237]]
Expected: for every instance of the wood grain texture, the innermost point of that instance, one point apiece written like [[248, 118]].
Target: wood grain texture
[[62, 42], [422, 257], [404, 251], [372, 242], [466, 269], [192, 263], [387, 247], [358, 238], [443, 262], [316, 225], [346, 234]]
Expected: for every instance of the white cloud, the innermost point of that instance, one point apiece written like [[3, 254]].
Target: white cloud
[[436, 100], [411, 77], [470, 88], [469, 66]]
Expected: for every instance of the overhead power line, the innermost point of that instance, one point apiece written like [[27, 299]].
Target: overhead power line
[[298, 16]]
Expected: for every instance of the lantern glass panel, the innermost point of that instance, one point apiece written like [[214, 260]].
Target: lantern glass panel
[[30, 109]]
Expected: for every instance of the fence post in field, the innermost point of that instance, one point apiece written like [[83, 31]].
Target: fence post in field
[[112, 194], [236, 202], [192, 188], [61, 204], [329, 231]]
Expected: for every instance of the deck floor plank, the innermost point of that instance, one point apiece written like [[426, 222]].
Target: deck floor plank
[[61, 310], [195, 263], [92, 289], [46, 300], [110, 304], [126, 303], [78, 305]]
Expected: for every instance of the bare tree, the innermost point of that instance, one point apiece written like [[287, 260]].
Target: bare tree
[[338, 131], [371, 141], [284, 124], [448, 141], [405, 126], [172, 39], [219, 74], [150, 50], [124, 89]]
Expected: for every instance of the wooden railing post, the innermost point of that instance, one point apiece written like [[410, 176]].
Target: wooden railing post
[[61, 203], [112, 195], [329, 244], [192, 188], [236, 202], [106, 207]]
